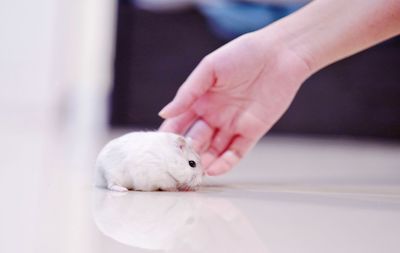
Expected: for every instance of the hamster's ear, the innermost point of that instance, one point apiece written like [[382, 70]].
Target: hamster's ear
[[181, 142]]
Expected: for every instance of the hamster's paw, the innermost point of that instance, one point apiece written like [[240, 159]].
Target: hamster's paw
[[117, 188]]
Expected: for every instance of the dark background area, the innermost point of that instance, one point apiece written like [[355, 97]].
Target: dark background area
[[155, 52]]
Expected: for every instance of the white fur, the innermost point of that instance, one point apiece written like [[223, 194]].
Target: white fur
[[148, 161]]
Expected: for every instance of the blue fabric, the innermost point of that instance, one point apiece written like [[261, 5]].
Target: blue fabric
[[231, 19]]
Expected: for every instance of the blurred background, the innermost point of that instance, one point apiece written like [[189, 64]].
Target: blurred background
[[72, 70]]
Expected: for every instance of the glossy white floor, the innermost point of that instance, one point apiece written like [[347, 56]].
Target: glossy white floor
[[289, 195]]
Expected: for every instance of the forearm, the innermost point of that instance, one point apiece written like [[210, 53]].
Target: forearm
[[326, 31]]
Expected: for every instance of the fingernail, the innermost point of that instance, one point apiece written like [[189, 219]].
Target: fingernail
[[212, 173], [231, 157], [163, 112]]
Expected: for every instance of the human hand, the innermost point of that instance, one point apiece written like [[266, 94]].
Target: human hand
[[237, 93], [234, 96]]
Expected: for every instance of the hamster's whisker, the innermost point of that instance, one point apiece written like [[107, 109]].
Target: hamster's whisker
[[176, 180]]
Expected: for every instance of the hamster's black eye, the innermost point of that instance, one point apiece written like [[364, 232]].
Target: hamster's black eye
[[192, 163]]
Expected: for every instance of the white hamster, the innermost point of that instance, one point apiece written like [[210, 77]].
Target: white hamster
[[149, 161]]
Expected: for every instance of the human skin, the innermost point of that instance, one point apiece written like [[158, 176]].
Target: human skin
[[238, 92]]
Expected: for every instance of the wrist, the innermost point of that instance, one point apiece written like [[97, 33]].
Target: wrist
[[323, 32], [291, 43], [289, 59]]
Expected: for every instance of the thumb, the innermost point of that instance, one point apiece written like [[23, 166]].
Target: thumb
[[196, 85]]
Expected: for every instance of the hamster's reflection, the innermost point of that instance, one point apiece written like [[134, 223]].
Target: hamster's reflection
[[178, 222]]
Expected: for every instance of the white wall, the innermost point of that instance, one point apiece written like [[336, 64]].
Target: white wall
[[55, 65], [55, 72]]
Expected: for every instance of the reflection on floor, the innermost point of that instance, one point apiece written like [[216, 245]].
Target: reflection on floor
[[290, 194]]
